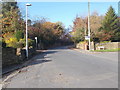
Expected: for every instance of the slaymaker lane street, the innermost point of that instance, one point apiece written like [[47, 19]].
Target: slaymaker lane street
[[66, 68]]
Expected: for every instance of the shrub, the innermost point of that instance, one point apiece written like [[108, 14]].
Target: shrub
[[30, 42], [19, 35], [20, 45], [76, 39], [82, 42], [2, 43], [11, 42], [23, 42], [16, 40]]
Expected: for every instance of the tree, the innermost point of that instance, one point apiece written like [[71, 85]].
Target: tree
[[80, 26], [78, 35], [8, 6], [95, 24], [110, 24], [11, 17], [79, 29], [11, 23], [47, 32]]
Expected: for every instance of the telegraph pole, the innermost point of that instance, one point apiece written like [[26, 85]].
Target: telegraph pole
[[119, 9], [89, 22], [85, 28]]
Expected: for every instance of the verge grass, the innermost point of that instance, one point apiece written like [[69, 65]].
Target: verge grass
[[107, 50]]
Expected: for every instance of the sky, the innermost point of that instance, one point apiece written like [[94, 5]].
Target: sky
[[65, 12]]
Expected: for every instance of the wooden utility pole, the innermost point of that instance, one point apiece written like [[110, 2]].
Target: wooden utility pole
[[89, 22]]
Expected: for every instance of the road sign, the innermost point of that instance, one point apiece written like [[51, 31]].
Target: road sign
[[87, 37], [35, 37]]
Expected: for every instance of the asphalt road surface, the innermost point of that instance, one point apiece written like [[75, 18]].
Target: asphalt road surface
[[66, 68]]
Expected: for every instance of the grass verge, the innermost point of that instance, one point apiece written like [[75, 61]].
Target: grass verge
[[107, 50]]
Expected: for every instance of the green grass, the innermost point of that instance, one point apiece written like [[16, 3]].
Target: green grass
[[105, 41], [111, 50], [0, 38]]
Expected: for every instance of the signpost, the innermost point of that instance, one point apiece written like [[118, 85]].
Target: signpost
[[87, 37], [36, 41]]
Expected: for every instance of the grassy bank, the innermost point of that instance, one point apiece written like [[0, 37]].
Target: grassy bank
[[110, 50]]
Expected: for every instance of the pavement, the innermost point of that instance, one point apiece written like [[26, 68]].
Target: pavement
[[65, 68]]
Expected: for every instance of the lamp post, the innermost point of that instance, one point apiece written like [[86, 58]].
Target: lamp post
[[27, 29], [89, 22]]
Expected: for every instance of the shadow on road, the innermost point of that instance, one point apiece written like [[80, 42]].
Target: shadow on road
[[40, 61], [42, 58]]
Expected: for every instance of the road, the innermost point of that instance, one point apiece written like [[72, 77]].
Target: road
[[66, 68]]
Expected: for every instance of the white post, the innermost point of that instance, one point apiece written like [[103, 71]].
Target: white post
[[89, 22], [26, 33], [36, 41]]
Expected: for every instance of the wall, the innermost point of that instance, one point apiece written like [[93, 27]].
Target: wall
[[8, 56], [109, 45], [82, 45], [11, 56]]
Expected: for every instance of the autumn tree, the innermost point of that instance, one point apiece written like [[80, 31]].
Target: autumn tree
[[11, 23], [95, 24], [80, 27], [11, 20], [47, 32]]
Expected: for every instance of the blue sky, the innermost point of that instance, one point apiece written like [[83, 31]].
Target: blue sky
[[65, 12]]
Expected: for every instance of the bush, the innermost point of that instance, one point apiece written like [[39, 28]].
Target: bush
[[12, 42], [95, 39], [20, 45], [22, 42], [2, 44], [83, 42], [19, 35], [15, 40], [30, 42], [76, 39]]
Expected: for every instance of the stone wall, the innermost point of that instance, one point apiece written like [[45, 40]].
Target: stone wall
[[109, 45], [11, 56], [82, 45]]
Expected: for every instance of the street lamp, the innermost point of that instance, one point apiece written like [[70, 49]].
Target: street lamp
[[27, 29]]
